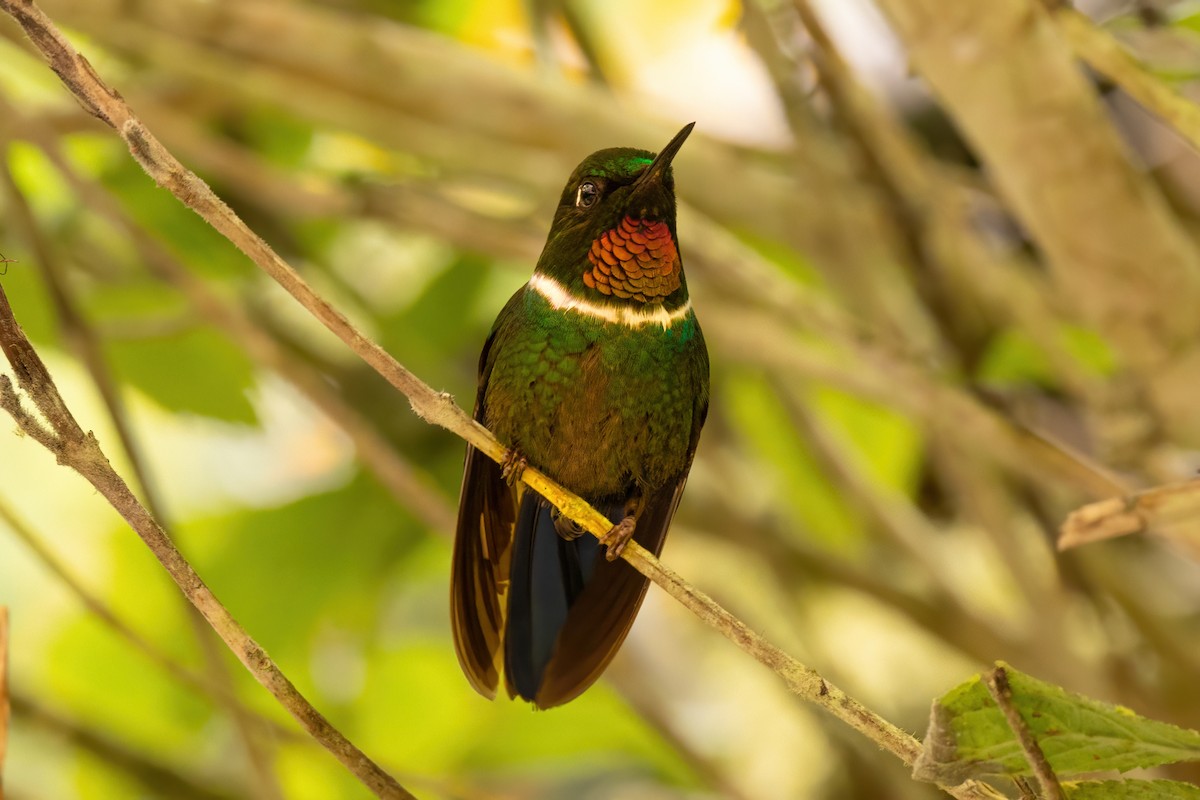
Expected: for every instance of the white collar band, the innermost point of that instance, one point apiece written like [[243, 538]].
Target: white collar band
[[561, 298]]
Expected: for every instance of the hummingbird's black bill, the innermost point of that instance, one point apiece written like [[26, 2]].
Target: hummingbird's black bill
[[663, 159]]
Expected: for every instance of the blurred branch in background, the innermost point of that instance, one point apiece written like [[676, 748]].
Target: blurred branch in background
[[927, 351], [1013, 83], [1172, 512]]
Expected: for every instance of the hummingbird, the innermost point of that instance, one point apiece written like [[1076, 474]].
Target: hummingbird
[[596, 374]]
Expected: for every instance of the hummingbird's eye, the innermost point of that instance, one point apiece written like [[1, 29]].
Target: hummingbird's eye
[[587, 195]]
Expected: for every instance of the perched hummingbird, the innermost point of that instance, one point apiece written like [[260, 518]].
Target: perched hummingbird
[[596, 374]]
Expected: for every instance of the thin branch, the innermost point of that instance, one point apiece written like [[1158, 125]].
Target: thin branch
[[1001, 692], [80, 451], [435, 407], [1172, 511]]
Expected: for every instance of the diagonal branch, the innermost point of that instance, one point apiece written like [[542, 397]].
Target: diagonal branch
[[435, 407], [62, 435], [1171, 511]]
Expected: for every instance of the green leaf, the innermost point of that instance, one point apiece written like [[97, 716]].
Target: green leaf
[[789, 470], [197, 371], [968, 736], [1131, 790], [424, 332], [1013, 358], [886, 445], [27, 296], [1090, 350], [462, 734], [192, 239]]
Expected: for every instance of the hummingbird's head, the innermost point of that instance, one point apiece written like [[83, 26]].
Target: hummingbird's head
[[613, 237]]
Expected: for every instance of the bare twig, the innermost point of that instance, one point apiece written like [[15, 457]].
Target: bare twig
[[1001, 692], [81, 452], [1172, 511], [61, 434]]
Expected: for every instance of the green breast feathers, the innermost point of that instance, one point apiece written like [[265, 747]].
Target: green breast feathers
[[568, 372]]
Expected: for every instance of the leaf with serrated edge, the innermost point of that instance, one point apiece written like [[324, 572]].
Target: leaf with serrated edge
[[969, 738], [1131, 790]]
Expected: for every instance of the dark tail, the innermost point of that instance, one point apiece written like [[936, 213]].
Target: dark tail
[[548, 575]]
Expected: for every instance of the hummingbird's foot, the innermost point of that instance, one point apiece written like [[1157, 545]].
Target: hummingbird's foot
[[566, 527], [618, 536], [513, 467]]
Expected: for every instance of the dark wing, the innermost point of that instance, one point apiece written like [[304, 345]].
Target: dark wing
[[548, 574], [604, 612], [481, 551]]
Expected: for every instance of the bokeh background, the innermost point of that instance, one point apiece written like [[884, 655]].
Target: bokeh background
[[908, 397]]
